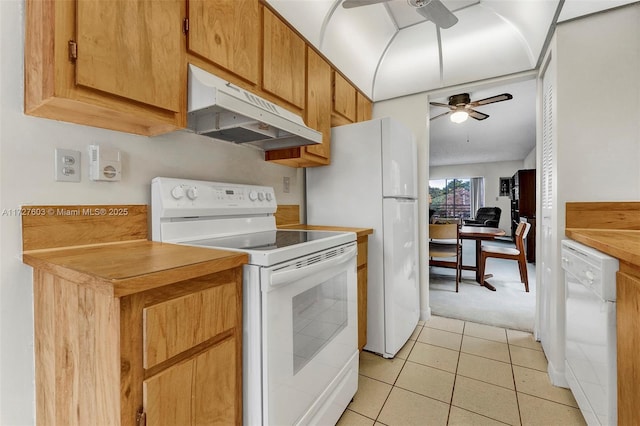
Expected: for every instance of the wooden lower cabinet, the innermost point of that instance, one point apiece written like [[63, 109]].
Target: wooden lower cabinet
[[628, 342], [171, 355], [363, 252]]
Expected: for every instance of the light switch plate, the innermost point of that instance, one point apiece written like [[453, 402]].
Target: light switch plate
[[67, 165]]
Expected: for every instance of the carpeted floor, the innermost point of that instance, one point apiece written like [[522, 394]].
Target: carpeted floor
[[509, 306]]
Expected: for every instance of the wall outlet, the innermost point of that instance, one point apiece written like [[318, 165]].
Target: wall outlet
[[67, 165], [285, 184]]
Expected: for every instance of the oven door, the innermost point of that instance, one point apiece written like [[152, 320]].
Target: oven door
[[309, 329]]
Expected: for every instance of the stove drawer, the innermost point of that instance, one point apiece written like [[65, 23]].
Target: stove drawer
[[174, 326]]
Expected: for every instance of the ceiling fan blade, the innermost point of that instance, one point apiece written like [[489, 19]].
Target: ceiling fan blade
[[438, 13], [348, 4], [440, 115], [477, 114], [438, 104], [492, 99]]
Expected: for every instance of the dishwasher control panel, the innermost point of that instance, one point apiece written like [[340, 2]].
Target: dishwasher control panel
[[594, 269]]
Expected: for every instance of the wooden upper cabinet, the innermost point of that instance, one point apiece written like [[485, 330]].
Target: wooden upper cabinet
[[317, 116], [363, 112], [226, 33], [318, 111], [284, 63], [116, 65], [344, 97]]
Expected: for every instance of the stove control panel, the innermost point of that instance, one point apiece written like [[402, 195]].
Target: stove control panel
[[184, 198]]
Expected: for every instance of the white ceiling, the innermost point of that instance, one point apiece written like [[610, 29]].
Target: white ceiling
[[389, 50]]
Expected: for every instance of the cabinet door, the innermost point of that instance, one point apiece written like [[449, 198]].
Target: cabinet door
[[344, 98], [126, 70], [129, 49], [318, 110], [205, 389], [628, 341], [284, 64], [226, 33], [363, 112]]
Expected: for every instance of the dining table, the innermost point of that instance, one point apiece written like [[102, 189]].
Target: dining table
[[479, 234]]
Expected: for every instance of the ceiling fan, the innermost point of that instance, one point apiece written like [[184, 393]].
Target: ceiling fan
[[433, 10], [461, 107]]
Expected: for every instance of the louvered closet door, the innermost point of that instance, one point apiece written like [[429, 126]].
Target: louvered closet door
[[547, 172]]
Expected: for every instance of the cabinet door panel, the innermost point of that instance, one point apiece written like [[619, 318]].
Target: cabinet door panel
[[197, 391], [179, 324], [226, 32], [344, 98], [128, 48], [284, 61], [318, 110], [364, 108]]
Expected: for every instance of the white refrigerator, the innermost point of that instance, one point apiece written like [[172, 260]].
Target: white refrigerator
[[372, 183]]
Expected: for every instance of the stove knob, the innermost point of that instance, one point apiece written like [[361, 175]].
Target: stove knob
[[253, 195], [177, 192], [192, 193], [261, 196], [269, 196]]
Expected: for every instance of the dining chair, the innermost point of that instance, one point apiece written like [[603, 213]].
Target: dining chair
[[519, 253], [444, 242]]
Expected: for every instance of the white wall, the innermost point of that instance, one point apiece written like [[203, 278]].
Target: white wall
[[530, 160], [26, 170], [413, 111], [492, 172]]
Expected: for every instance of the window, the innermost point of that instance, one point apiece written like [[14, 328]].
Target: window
[[454, 197]]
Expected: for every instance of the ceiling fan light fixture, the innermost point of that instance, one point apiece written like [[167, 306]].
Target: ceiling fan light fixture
[[459, 116]]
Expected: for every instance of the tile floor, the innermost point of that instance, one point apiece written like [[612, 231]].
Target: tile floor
[[454, 372]]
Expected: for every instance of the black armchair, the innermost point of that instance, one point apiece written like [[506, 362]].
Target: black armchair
[[486, 216]]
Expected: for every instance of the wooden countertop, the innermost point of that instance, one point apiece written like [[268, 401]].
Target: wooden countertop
[[360, 232], [621, 244], [611, 227], [131, 267]]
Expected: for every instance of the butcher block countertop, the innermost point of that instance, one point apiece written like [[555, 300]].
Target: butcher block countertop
[[623, 245], [132, 267], [360, 232], [610, 227], [106, 247]]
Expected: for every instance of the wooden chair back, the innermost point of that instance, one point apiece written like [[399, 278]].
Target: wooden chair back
[[521, 233], [445, 231]]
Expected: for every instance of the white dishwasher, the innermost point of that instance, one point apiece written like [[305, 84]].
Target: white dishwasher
[[590, 357]]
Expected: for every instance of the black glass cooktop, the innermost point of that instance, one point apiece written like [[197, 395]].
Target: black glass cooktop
[[268, 240]]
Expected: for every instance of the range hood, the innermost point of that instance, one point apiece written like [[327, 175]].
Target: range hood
[[218, 109]]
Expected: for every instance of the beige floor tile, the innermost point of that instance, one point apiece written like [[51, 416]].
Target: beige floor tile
[[404, 352], [349, 418], [537, 383], [446, 324], [379, 368], [536, 411], [486, 348], [488, 400], [487, 370], [529, 358], [427, 381], [483, 331], [523, 339], [404, 408], [416, 332], [460, 417], [441, 338], [434, 356], [370, 397], [421, 322]]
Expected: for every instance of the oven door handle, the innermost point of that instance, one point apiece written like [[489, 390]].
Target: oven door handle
[[287, 276]]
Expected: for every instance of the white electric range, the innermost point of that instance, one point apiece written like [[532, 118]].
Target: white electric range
[[300, 356]]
